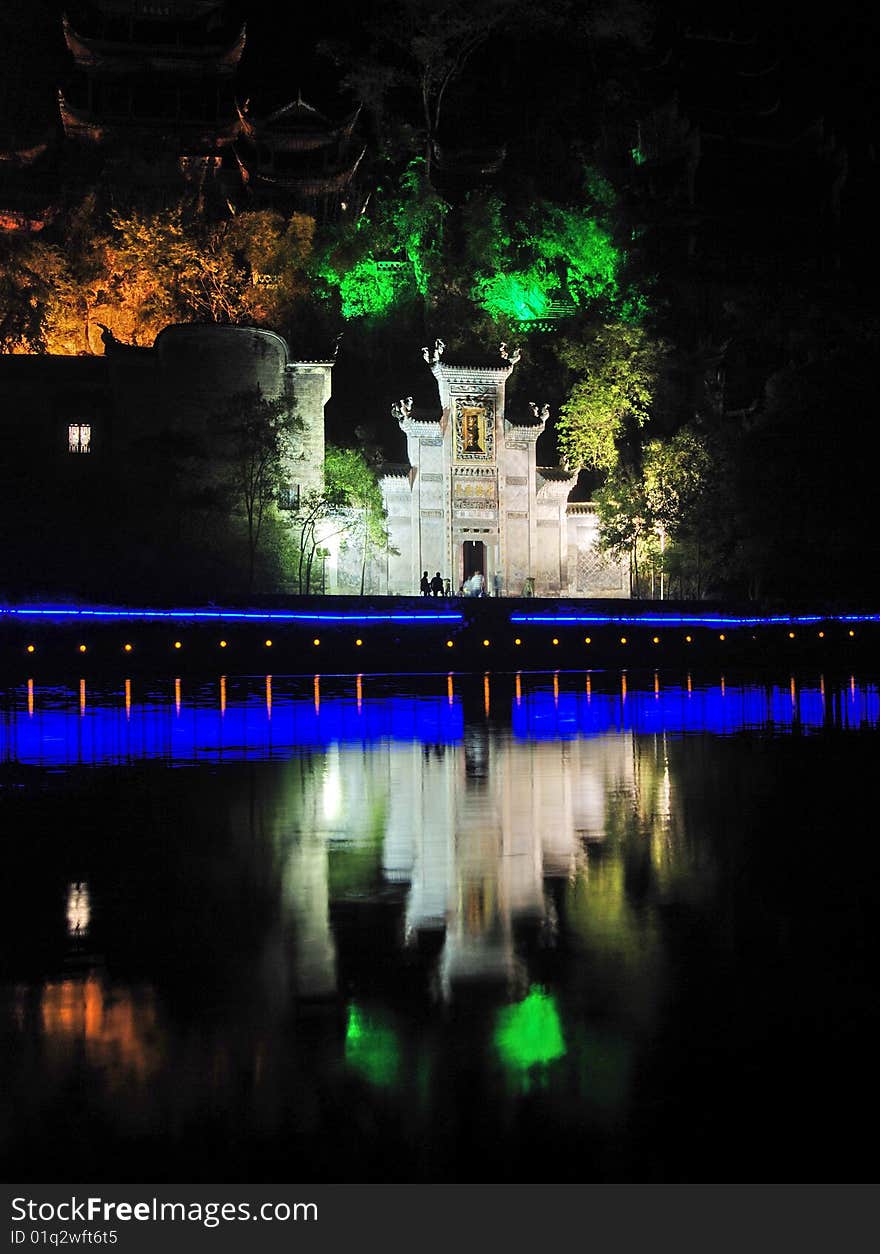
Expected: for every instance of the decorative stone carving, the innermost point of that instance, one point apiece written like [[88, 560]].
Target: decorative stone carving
[[402, 409], [432, 357], [596, 572], [511, 356]]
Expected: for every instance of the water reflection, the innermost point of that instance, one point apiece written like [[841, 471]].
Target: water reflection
[[524, 927], [237, 719]]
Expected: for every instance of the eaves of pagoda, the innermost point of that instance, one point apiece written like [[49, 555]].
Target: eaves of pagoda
[[118, 57]]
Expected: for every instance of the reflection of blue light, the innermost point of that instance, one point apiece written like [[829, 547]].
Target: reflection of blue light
[[59, 734], [219, 615], [695, 620], [543, 716]]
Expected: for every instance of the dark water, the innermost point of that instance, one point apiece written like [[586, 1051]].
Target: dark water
[[570, 928]]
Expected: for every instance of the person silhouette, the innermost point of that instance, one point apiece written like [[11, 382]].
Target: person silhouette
[[437, 584], [424, 586]]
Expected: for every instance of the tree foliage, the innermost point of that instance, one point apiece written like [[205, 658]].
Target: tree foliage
[[253, 440], [618, 365]]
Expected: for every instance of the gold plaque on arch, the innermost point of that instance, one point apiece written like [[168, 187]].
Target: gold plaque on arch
[[474, 432]]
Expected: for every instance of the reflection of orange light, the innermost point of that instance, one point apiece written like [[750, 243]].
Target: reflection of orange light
[[449, 693], [556, 688], [486, 693], [317, 694], [589, 688], [128, 698], [268, 696], [518, 689], [222, 694], [623, 687], [82, 696], [690, 686], [118, 1032], [30, 698], [177, 696], [359, 690]]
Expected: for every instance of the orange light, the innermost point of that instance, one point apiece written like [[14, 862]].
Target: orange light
[[82, 648], [656, 640], [359, 642], [177, 644], [449, 644], [517, 641], [127, 648], [268, 644], [623, 639], [791, 635], [316, 641], [555, 640], [31, 648], [821, 635], [588, 639], [852, 633], [485, 644], [721, 636], [222, 644], [688, 639]]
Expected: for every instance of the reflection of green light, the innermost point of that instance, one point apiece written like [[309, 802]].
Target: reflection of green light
[[638, 156], [371, 1049], [530, 1033]]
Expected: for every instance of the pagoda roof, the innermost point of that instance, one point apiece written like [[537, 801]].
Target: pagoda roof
[[80, 124], [127, 57], [303, 184], [177, 10], [296, 127]]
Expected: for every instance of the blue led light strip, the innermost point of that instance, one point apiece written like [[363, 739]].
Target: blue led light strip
[[693, 620], [263, 616]]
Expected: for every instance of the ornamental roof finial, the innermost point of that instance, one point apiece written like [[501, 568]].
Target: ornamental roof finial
[[402, 409], [433, 357], [510, 355]]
